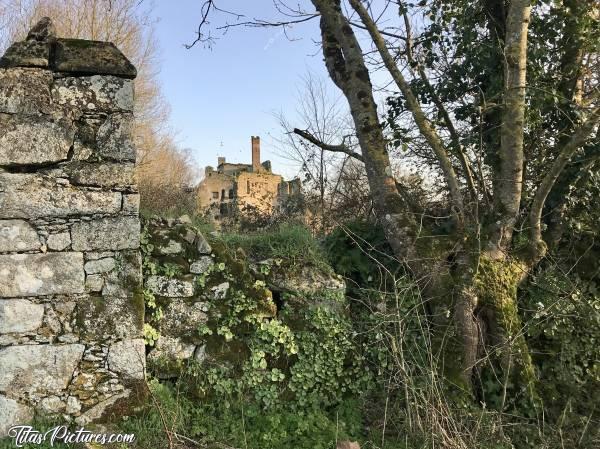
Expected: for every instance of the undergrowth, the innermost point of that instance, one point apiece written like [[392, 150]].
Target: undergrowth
[[291, 242]]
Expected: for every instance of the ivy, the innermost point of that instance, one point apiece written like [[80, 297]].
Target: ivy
[[150, 334]]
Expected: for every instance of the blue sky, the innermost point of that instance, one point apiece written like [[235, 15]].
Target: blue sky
[[221, 97]]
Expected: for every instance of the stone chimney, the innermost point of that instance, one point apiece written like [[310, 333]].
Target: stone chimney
[[220, 160], [255, 153]]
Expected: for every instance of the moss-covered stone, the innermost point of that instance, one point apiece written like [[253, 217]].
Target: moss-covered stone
[[251, 312]]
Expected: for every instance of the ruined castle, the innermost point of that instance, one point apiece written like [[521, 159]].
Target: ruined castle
[[235, 187]]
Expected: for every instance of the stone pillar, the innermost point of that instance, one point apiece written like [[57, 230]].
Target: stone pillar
[[71, 308]]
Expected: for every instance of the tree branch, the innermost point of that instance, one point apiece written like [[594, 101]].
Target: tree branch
[[205, 11], [423, 123], [577, 139], [440, 106], [383, 32], [327, 147]]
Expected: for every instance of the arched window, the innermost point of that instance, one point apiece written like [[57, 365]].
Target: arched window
[[230, 194], [248, 186], [223, 194]]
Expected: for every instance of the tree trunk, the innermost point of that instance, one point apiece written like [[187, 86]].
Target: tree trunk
[[480, 282], [346, 66]]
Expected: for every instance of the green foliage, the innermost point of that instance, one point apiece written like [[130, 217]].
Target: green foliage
[[304, 356], [359, 251], [150, 334], [295, 361], [563, 331], [329, 364], [237, 424], [288, 241]]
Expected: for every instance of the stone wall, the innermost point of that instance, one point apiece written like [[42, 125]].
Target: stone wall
[[193, 288], [71, 308]]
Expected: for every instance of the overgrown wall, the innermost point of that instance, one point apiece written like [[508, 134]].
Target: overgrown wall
[[71, 309]]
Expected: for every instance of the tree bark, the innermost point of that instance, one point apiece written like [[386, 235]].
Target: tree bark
[[510, 184], [345, 64]]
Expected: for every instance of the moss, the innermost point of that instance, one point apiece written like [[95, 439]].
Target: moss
[[137, 304], [91, 308], [79, 43], [497, 282], [164, 365]]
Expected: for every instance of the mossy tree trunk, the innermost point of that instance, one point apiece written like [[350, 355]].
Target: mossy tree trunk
[[475, 314], [474, 273]]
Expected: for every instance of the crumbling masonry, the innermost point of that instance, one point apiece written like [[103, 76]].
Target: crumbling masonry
[[71, 309]]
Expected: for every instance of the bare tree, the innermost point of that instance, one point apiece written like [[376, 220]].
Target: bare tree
[[321, 115]]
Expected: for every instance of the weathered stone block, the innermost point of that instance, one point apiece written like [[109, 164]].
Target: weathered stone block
[[34, 196], [202, 245], [38, 369], [18, 235], [128, 278], [114, 138], [169, 248], [26, 54], [166, 358], [200, 354], [201, 265], [182, 319], [94, 282], [91, 57], [59, 242], [128, 358], [52, 405], [20, 316], [97, 412], [220, 291], [100, 265], [73, 405], [307, 280], [169, 287], [131, 204], [26, 140], [41, 274], [106, 234], [101, 174], [25, 91], [105, 318], [42, 31], [13, 413], [97, 93]]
